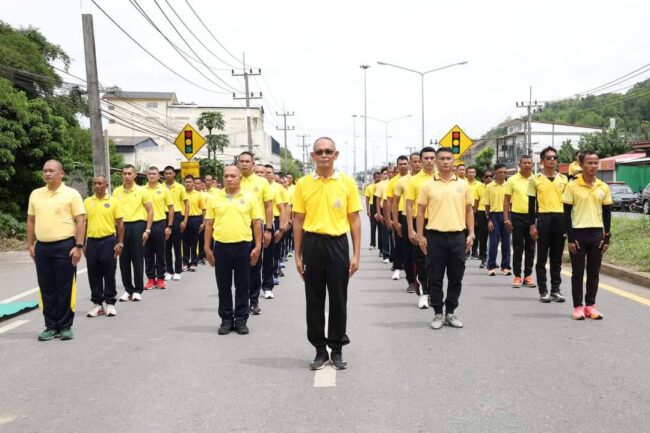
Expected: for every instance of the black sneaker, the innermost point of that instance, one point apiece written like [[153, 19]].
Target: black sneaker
[[255, 309], [225, 328], [241, 328], [482, 265], [280, 273], [557, 296], [545, 297], [410, 288], [475, 257], [338, 361], [319, 361]]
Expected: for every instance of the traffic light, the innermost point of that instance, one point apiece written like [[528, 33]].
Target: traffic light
[[455, 142], [189, 144]]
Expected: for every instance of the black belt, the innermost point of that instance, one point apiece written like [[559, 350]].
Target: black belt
[[325, 236], [102, 238]]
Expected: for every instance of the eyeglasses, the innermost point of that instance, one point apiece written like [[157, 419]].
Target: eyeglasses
[[550, 158], [328, 152], [487, 175]]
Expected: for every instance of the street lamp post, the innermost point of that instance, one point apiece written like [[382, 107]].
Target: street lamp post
[[365, 125], [386, 122], [422, 74], [354, 144]]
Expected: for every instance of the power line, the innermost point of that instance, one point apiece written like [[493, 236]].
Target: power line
[[152, 56], [617, 80]]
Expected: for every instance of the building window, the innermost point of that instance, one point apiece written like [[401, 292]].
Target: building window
[[152, 105]]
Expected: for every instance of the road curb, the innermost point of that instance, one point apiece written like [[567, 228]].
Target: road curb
[[639, 278]]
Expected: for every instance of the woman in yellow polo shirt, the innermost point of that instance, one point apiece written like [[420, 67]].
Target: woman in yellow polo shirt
[[588, 215]]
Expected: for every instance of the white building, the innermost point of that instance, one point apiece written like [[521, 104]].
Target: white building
[[144, 125]]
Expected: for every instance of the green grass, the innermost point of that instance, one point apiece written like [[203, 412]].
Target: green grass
[[630, 245]]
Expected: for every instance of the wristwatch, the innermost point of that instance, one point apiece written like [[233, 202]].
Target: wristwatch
[[268, 229], [80, 246]]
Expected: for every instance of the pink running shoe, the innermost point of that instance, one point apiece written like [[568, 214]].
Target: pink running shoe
[[579, 313], [592, 312]]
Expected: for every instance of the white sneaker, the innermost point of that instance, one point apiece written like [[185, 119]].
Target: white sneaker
[[176, 277], [386, 260], [168, 276], [136, 297], [268, 294], [423, 302], [396, 275], [125, 297], [97, 310], [110, 310]]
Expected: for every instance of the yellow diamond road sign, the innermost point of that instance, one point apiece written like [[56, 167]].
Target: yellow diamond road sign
[[457, 140], [189, 141]]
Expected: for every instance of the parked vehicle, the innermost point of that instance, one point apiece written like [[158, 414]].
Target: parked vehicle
[[622, 195], [645, 199], [635, 205]]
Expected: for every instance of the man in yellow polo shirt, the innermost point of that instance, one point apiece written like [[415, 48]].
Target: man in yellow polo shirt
[[380, 197], [428, 158], [396, 250], [474, 184], [138, 217], [546, 216], [228, 220], [199, 185], [371, 209], [493, 201], [161, 230], [191, 234], [105, 220], [260, 188], [480, 218], [575, 168], [399, 222], [270, 255], [516, 221], [326, 205], [56, 226], [447, 200], [174, 267]]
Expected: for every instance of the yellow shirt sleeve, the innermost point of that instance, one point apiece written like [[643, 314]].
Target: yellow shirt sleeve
[[507, 189], [422, 198], [117, 210], [77, 205], [532, 187], [266, 192], [485, 200], [354, 203], [169, 199], [298, 202], [567, 196], [608, 197]]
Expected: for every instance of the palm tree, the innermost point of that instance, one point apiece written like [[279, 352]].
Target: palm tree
[[213, 120]]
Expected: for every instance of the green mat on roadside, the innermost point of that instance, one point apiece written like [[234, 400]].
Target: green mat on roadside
[[12, 309]]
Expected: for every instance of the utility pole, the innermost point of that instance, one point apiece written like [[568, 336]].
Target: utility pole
[[531, 105], [304, 153], [100, 151], [354, 145], [284, 114], [365, 124], [248, 96]]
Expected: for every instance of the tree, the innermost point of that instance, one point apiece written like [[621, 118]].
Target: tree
[[483, 160], [211, 120], [607, 143], [211, 167], [288, 164], [566, 153]]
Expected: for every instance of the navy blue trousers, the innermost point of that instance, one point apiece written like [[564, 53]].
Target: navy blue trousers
[[190, 240], [256, 274], [499, 234], [133, 254], [233, 258], [174, 241], [57, 282], [101, 269], [154, 251], [268, 260]]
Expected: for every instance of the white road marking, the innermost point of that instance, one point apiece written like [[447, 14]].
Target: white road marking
[[12, 325], [31, 291]]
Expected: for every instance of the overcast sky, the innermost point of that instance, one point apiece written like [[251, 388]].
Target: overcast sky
[[310, 53]]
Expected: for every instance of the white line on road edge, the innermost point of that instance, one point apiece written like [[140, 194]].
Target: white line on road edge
[[12, 325], [30, 291], [620, 292]]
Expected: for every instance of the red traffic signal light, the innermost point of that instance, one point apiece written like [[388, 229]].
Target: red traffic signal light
[[189, 143]]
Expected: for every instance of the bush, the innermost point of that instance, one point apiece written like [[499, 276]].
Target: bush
[[10, 227], [629, 246]]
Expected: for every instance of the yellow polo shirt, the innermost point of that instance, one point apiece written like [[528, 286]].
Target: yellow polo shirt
[[370, 193], [413, 189], [587, 202], [549, 194], [132, 202], [101, 215], [326, 203], [493, 196], [380, 192], [479, 192], [54, 212], [280, 196], [161, 199], [575, 169], [290, 189], [400, 190], [473, 186], [233, 216], [179, 195], [260, 188], [517, 188], [390, 189], [445, 201], [197, 202]]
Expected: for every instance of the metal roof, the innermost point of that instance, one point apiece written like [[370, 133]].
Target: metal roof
[[141, 95]]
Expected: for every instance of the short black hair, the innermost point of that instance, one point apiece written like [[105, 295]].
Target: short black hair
[[525, 157], [246, 152], [383, 169], [585, 154], [129, 166], [153, 167], [427, 149], [471, 167], [269, 166], [462, 164], [189, 176], [544, 151], [169, 167], [498, 166], [443, 149], [414, 154], [402, 158], [377, 173]]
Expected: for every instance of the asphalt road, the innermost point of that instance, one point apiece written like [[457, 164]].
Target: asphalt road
[[159, 366]]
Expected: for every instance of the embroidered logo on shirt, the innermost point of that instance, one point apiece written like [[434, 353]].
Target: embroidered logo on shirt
[[107, 205], [600, 194], [242, 202], [159, 192], [338, 204]]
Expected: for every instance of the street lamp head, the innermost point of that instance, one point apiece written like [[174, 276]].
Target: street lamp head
[[464, 62], [381, 63], [364, 66]]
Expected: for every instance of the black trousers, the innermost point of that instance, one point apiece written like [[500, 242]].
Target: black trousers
[[268, 260], [190, 240], [421, 266], [385, 242], [523, 245], [550, 245], [445, 253], [373, 226], [479, 247], [407, 251], [589, 253], [154, 251], [57, 282], [101, 263], [201, 237], [233, 259], [326, 260], [132, 255], [256, 274], [277, 251], [174, 242]]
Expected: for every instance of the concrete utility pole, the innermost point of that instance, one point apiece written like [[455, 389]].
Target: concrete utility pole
[[284, 114], [100, 150], [354, 146], [365, 124], [530, 106], [304, 153], [248, 96]]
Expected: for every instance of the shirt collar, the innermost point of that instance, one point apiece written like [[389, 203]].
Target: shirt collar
[[437, 177], [336, 175]]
